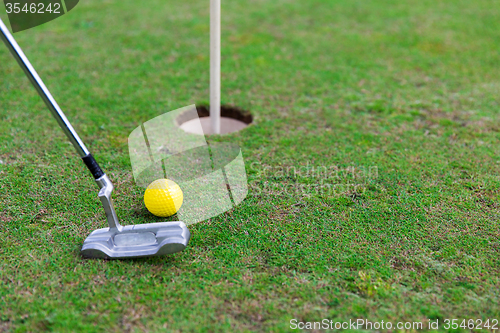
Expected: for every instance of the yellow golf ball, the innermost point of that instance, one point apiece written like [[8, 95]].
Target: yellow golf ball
[[163, 198]]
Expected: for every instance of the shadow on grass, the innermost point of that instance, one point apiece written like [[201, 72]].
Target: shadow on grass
[[164, 260], [145, 215]]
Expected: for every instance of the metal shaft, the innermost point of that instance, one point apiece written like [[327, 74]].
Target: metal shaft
[[42, 90]]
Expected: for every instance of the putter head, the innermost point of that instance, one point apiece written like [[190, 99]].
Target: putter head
[[132, 241]]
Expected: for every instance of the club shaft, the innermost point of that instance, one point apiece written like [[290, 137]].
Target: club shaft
[[42, 90]]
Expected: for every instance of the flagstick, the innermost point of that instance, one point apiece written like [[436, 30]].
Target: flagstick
[[215, 13]]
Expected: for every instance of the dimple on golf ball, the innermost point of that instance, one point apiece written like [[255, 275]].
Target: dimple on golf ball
[[163, 198]]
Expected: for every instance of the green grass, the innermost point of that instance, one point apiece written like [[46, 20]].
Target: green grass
[[407, 89]]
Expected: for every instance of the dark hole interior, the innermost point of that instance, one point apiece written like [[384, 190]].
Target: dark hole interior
[[228, 111]]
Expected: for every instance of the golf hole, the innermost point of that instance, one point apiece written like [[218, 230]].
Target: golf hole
[[233, 119]]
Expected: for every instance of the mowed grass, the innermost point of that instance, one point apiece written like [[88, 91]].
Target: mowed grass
[[397, 100]]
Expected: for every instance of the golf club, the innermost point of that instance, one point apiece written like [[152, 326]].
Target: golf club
[[116, 241]]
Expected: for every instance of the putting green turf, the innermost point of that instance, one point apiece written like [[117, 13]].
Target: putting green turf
[[406, 94]]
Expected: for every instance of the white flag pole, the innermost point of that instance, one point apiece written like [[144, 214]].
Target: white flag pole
[[215, 16]]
